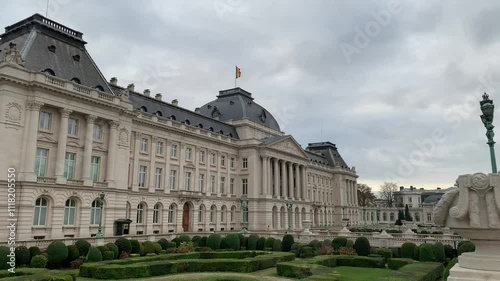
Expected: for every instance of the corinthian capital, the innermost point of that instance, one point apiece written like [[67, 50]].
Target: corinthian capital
[[114, 124], [34, 105], [90, 119], [65, 112]]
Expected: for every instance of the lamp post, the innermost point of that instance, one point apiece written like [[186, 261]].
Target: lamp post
[[326, 224], [99, 231], [289, 209], [244, 211], [488, 109]]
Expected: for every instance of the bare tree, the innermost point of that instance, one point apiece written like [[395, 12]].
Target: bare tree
[[387, 192], [365, 195]]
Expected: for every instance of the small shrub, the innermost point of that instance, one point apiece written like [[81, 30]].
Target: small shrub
[[196, 240], [182, 238], [124, 255], [34, 251], [315, 244], [338, 242], [446, 271], [73, 253], [449, 251], [214, 241], [260, 243], [347, 251], [164, 243], [305, 251], [124, 245], [396, 252], [349, 243], [108, 255], [172, 245], [76, 263], [269, 243], [171, 250], [57, 254], [39, 261], [362, 246], [112, 247], [186, 247], [83, 247], [102, 249], [252, 242], [407, 250], [385, 253], [233, 241], [4, 259], [286, 245], [277, 245], [439, 252], [149, 247], [466, 247], [157, 247], [203, 242], [94, 255], [325, 250], [23, 256], [427, 252]]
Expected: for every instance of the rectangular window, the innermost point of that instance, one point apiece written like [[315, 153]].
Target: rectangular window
[[187, 182], [231, 186], [188, 153], [97, 132], [212, 184], [159, 148], [156, 214], [245, 163], [69, 212], [232, 163], [202, 156], [144, 145], [222, 182], [72, 126], [45, 120], [244, 186], [41, 161], [173, 151], [69, 165], [212, 158], [223, 161], [172, 178], [94, 168], [409, 199], [158, 173], [202, 182], [142, 176]]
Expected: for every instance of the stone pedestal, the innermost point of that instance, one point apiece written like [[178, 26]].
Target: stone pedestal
[[307, 226], [344, 232], [473, 211]]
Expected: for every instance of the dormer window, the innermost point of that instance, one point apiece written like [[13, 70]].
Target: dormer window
[[76, 58], [200, 126], [158, 113], [211, 129], [99, 88], [221, 132], [187, 122], [52, 48], [172, 117], [49, 71], [76, 80], [143, 109]]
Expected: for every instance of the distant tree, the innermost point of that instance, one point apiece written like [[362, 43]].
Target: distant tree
[[365, 195], [387, 192], [407, 214]]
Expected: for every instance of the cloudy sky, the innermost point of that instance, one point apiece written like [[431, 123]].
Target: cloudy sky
[[395, 85]]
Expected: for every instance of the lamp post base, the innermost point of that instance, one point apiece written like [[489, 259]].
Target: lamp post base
[[99, 235]]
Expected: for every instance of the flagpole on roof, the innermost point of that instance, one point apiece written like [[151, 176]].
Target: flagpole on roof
[[235, 75]]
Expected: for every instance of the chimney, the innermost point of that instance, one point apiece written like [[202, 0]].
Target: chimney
[[131, 87], [175, 102], [401, 188], [158, 96], [197, 110], [147, 92], [113, 81]]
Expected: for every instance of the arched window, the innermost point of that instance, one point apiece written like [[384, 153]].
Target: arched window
[[384, 216], [171, 214], [95, 211], [172, 117], [392, 217], [222, 213], [158, 113], [40, 212], [128, 210], [76, 80], [201, 214], [233, 213], [49, 71], [187, 122], [211, 129], [143, 109], [156, 213], [417, 216], [99, 88], [212, 213], [69, 212], [140, 213], [200, 126]]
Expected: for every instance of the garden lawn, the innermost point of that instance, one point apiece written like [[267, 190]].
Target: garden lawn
[[348, 273]]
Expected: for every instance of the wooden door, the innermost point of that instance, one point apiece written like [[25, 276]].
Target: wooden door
[[185, 217]]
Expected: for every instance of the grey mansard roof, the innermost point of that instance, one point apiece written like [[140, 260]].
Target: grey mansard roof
[[45, 44], [237, 104], [326, 152]]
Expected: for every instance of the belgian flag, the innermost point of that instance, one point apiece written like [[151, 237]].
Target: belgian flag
[[238, 72]]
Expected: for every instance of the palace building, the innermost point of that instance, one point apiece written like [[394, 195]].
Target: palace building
[[72, 135]]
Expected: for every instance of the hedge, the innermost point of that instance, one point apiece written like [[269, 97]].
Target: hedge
[[23, 256], [38, 261], [287, 243], [439, 252], [418, 271], [260, 243], [234, 261], [362, 246], [182, 238], [124, 245], [359, 261], [427, 252], [338, 242], [57, 254], [135, 247], [242, 240], [277, 247], [108, 255], [149, 247], [44, 277], [196, 240], [407, 250], [416, 253], [449, 251], [446, 271], [397, 263], [4, 259], [385, 253], [304, 251], [233, 241], [466, 247], [214, 241], [94, 255], [73, 253], [35, 251], [269, 243], [203, 242], [303, 270], [164, 243], [83, 247], [252, 242]]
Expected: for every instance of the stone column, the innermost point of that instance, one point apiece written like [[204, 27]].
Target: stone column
[[284, 183], [290, 180], [228, 180], [168, 147], [208, 176], [61, 146], [264, 175], [135, 167], [304, 182], [152, 164], [276, 177], [355, 193], [297, 183], [196, 162], [110, 169], [87, 153], [182, 162], [30, 155], [217, 178]]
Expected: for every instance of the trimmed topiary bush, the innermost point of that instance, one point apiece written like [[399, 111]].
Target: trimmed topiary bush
[[124, 245], [164, 243], [94, 255], [34, 251], [57, 254], [182, 238], [416, 253], [362, 246], [157, 247], [446, 271], [277, 245], [83, 247], [439, 252], [338, 242], [4, 259], [252, 242], [135, 247], [396, 252], [385, 253], [269, 243], [38, 261], [203, 242], [233, 241], [196, 240], [260, 243], [349, 243], [149, 247], [242, 240], [214, 241], [287, 242], [73, 253], [449, 251], [102, 249], [108, 255], [466, 247], [23, 256], [113, 248], [223, 244], [427, 252], [407, 250]]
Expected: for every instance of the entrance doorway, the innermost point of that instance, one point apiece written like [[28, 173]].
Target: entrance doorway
[[185, 217]]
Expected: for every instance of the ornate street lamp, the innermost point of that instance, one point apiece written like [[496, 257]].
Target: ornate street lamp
[[289, 209], [488, 109], [244, 211], [99, 231]]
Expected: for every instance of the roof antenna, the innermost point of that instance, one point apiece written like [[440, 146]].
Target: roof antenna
[[47, 9]]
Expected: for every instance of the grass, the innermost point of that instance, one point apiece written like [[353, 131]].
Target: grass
[[348, 273]]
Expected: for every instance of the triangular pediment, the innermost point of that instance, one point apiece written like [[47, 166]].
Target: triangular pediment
[[289, 145]]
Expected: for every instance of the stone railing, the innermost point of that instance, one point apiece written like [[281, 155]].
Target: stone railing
[[45, 180], [100, 184], [74, 182]]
